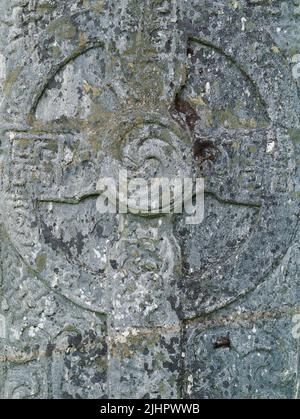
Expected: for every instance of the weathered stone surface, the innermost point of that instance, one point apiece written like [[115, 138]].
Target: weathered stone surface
[[97, 306]]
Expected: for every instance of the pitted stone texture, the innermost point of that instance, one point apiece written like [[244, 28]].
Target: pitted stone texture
[[105, 306]]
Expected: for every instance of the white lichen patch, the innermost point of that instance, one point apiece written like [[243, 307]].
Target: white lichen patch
[[243, 20], [2, 327], [270, 147]]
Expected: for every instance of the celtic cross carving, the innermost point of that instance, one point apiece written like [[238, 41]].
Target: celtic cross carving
[[108, 302]]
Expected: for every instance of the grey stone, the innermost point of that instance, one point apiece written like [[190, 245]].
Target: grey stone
[[129, 306]]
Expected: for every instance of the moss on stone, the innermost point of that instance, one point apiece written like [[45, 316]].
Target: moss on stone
[[11, 79], [62, 28]]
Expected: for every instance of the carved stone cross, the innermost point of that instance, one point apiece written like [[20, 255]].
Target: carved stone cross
[[108, 302]]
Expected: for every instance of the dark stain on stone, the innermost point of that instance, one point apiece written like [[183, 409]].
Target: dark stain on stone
[[79, 242], [168, 45], [49, 350], [99, 230], [97, 378], [204, 149], [222, 343], [75, 340], [182, 108], [92, 336], [59, 244], [114, 264], [189, 51], [55, 83], [171, 366]]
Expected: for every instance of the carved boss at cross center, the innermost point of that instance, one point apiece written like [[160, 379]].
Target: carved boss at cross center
[[104, 299]]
